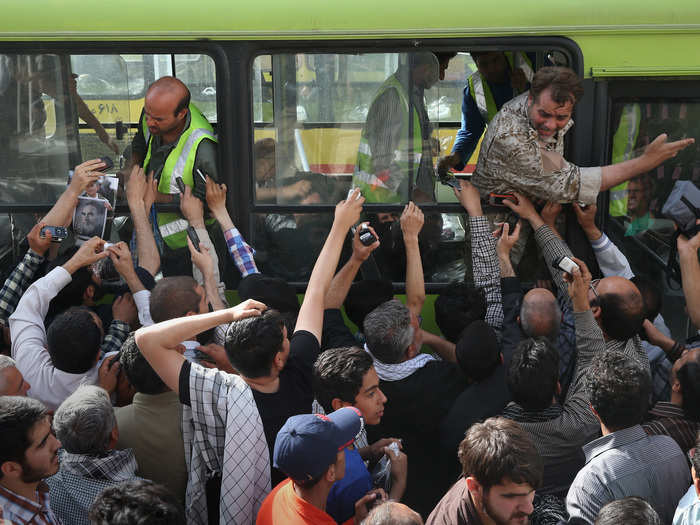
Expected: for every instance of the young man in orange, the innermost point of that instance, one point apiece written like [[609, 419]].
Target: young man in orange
[[310, 450]]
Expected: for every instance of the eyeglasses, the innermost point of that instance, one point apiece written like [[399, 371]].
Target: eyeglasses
[[594, 285]]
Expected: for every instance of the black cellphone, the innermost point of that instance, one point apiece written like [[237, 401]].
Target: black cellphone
[[367, 237], [496, 199], [512, 221], [109, 163], [180, 184], [58, 233], [448, 179], [192, 234]]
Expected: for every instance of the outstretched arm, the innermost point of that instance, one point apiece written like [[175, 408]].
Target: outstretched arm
[[690, 274], [657, 152], [342, 281], [85, 174], [411, 224], [310, 316], [140, 192]]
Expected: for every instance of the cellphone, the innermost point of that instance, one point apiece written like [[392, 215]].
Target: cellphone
[[58, 233], [565, 264], [109, 163], [512, 221], [366, 236], [180, 184], [496, 199], [448, 179], [106, 246], [192, 234]]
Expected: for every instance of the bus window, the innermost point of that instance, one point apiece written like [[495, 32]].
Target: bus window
[[636, 223]]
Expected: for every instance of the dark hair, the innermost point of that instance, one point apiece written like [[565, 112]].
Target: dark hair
[[72, 294], [631, 510], [564, 83], [477, 351], [688, 376], [136, 502], [496, 449], [651, 296], [364, 296], [338, 373], [173, 297], [621, 316], [457, 307], [311, 483], [138, 371], [18, 415], [253, 343], [272, 291], [264, 148], [533, 373], [388, 331], [73, 340], [619, 388]]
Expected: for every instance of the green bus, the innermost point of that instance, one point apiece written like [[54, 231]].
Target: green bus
[[303, 74]]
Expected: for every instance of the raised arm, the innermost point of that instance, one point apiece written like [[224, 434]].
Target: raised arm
[[485, 265], [657, 152], [610, 259], [411, 224], [159, 342], [21, 277], [140, 192], [340, 285], [204, 262], [241, 253], [551, 245], [85, 174], [310, 316]]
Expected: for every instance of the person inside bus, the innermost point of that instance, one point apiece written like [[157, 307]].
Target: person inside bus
[[173, 132], [396, 145], [266, 188], [641, 216], [522, 149], [499, 77]]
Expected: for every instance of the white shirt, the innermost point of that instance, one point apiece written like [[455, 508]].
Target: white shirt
[[29, 346]]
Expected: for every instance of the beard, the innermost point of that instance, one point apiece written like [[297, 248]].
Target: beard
[[499, 520], [32, 475]]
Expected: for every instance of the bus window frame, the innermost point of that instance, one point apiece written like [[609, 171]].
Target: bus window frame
[[575, 147]]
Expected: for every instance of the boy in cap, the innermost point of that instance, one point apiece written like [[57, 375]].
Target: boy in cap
[[310, 450]]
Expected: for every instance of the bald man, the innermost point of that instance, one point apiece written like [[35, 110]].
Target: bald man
[[12, 382], [174, 141]]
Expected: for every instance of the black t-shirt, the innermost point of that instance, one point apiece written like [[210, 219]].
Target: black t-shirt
[[294, 396]]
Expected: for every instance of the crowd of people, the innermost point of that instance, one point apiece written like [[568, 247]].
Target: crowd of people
[[173, 405]]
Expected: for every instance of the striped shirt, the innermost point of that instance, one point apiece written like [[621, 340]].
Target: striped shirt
[[241, 252], [17, 282], [18, 509], [671, 420], [629, 463], [487, 272]]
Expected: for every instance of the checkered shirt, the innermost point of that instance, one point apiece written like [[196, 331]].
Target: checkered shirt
[[487, 272], [116, 335], [241, 252], [82, 478], [17, 282], [223, 434], [20, 510]]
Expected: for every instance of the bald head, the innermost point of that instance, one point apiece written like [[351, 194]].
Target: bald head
[[165, 107], [540, 314], [392, 513], [621, 307]]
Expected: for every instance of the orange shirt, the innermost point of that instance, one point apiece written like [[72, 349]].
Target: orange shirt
[[283, 507]]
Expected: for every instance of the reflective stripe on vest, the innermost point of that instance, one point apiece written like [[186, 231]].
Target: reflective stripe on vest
[[171, 228], [373, 188], [481, 91], [624, 140]]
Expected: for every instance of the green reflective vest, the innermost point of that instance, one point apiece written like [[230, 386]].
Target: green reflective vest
[[481, 91], [179, 163], [365, 177], [624, 140]]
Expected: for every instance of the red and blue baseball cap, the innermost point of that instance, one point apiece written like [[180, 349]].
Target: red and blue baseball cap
[[308, 444]]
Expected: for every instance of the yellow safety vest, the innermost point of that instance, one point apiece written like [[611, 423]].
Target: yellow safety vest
[[364, 177], [624, 140], [179, 163]]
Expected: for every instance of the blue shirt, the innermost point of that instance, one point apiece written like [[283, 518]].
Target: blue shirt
[[355, 484], [688, 511], [473, 124]]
